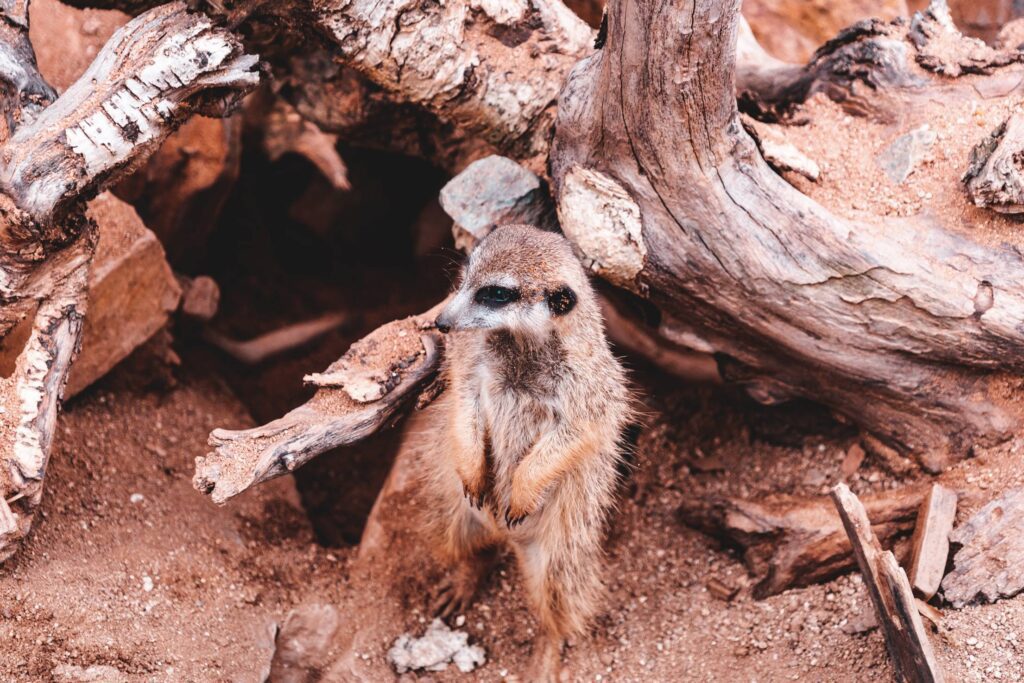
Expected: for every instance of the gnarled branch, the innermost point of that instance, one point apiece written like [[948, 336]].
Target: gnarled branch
[[359, 394], [152, 73], [897, 332]]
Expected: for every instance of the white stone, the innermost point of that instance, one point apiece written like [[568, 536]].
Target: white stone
[[435, 650]]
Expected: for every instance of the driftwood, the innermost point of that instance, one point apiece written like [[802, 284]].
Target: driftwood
[[990, 562], [697, 222], [56, 154], [995, 176], [788, 541], [887, 584], [362, 392], [255, 351], [930, 545], [664, 193]]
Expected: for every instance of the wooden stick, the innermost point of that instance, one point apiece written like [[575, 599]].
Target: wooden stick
[[399, 354], [887, 584], [930, 546], [255, 351]]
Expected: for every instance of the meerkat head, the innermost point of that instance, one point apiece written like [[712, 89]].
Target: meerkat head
[[520, 279]]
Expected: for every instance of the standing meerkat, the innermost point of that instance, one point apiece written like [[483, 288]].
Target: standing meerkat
[[524, 445]]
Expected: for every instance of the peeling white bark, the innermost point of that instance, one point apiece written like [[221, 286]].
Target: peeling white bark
[[30, 397], [150, 74]]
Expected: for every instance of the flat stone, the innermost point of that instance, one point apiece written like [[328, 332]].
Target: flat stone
[[495, 191], [906, 153], [132, 292]]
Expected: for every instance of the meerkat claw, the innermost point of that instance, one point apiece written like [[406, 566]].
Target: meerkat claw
[[476, 500], [512, 522]]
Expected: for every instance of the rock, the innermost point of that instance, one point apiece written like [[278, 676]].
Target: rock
[[493, 191], [200, 297], [990, 563], [906, 153], [861, 622], [302, 642], [780, 153], [98, 673], [132, 292], [438, 647], [65, 44], [793, 29], [182, 188]]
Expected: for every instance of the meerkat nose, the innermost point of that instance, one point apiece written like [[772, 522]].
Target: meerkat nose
[[443, 326]]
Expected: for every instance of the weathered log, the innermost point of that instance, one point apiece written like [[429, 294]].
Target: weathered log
[[873, 67], [339, 100], [30, 396], [286, 132], [398, 359], [788, 541], [152, 73], [793, 29], [897, 332], [496, 76], [995, 176], [887, 584], [990, 562], [23, 91], [930, 545]]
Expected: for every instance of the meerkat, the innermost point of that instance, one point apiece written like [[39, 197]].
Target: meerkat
[[525, 440]]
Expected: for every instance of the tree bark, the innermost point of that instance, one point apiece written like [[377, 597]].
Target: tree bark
[[154, 72], [901, 325]]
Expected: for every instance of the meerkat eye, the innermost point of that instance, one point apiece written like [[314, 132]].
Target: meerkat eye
[[561, 301], [495, 296]]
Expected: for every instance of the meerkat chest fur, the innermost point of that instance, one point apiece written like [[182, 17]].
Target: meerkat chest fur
[[518, 386]]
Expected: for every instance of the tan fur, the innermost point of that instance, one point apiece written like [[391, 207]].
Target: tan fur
[[528, 430]]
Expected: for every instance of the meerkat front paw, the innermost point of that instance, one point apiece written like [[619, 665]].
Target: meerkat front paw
[[473, 488], [518, 510]]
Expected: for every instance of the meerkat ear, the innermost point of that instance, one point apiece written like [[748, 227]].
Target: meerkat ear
[[561, 300]]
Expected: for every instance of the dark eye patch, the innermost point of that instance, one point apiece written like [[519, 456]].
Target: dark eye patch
[[494, 296], [561, 301]]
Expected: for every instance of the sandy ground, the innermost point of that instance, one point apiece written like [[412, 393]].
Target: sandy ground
[[172, 588], [131, 575]]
